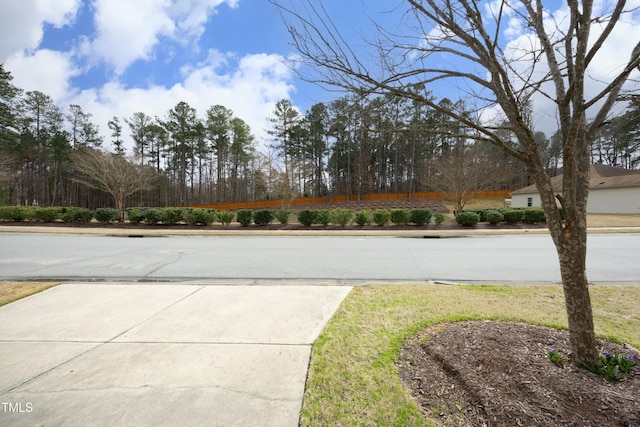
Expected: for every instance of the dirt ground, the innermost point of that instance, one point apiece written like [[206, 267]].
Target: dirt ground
[[484, 373]]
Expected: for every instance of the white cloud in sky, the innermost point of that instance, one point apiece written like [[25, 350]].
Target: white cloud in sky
[[22, 20], [128, 31]]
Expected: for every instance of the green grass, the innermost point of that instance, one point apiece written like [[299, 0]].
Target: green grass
[[353, 379], [13, 291]]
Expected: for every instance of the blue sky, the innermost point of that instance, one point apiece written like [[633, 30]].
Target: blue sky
[[118, 57]]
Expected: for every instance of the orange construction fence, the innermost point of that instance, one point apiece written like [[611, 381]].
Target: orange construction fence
[[341, 198]]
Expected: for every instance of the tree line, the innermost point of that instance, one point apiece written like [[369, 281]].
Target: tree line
[[353, 145]]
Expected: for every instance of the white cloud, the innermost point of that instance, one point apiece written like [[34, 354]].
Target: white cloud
[[22, 21], [45, 70], [250, 89], [128, 31]]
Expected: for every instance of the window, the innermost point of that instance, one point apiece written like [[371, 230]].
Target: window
[[529, 201]]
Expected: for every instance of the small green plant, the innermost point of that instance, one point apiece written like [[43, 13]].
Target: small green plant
[[282, 216], [135, 215], [322, 217], [512, 215], [381, 217], [494, 217], [467, 218], [152, 215], [244, 217], [556, 357], [306, 217], [200, 216], [107, 215], [263, 216], [612, 366], [12, 213], [77, 215], [420, 216], [533, 215], [171, 216], [363, 218], [46, 214], [400, 216], [225, 217], [439, 218], [341, 216]]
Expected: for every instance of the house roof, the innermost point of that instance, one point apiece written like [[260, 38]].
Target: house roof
[[600, 176]]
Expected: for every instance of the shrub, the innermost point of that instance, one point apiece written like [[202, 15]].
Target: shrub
[[263, 216], [341, 216], [12, 213], [77, 215], [225, 217], [171, 216], [533, 215], [467, 218], [439, 218], [400, 216], [244, 217], [420, 216], [200, 216], [135, 215], [152, 215], [107, 215], [363, 218], [46, 214], [283, 216], [381, 217], [494, 217], [322, 217], [512, 215], [306, 217]]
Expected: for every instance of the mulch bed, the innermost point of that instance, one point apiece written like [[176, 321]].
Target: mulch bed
[[484, 373]]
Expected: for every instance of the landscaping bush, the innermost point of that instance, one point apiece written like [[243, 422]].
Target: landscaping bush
[[135, 215], [283, 216], [400, 216], [381, 217], [341, 216], [77, 215], [107, 215], [244, 217], [512, 215], [152, 215], [494, 217], [199, 216], [322, 217], [225, 217], [46, 214], [263, 216], [467, 218], [306, 217], [12, 213], [420, 216], [439, 218], [171, 216], [363, 218], [533, 215]]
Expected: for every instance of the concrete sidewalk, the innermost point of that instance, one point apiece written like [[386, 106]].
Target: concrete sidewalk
[[160, 354]]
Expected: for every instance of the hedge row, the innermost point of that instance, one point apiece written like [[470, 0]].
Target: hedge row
[[495, 216]]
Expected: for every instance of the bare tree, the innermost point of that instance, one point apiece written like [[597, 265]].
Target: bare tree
[[465, 42], [113, 174]]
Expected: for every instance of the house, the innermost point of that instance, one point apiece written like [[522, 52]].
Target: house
[[611, 190]]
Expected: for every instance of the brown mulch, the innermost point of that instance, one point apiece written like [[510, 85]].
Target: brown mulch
[[484, 373]]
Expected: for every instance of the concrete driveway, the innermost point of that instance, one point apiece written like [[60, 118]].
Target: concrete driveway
[[160, 354]]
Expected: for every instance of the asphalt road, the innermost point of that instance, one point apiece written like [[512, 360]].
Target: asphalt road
[[514, 258]]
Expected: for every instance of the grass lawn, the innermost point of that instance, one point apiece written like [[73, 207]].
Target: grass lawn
[[12, 291], [353, 379]]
